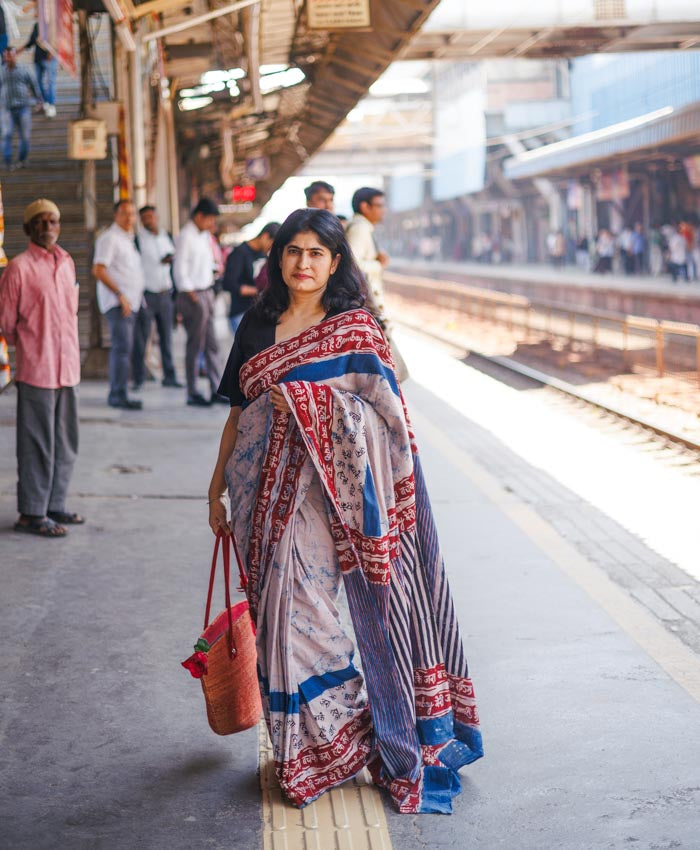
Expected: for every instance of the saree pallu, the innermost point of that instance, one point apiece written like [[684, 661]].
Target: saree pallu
[[333, 494]]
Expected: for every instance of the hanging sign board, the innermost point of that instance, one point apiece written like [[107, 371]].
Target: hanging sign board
[[692, 169], [56, 31], [257, 168], [337, 14]]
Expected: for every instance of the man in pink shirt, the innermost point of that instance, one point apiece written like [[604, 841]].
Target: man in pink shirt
[[38, 315]]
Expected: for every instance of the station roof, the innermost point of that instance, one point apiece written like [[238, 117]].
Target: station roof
[[280, 125], [556, 40], [639, 138]]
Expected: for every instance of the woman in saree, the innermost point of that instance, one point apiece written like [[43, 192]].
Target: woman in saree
[[326, 489]]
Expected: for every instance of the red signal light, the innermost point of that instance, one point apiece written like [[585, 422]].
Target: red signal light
[[243, 194]]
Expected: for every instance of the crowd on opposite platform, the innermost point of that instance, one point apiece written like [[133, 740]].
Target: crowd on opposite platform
[[672, 249], [144, 277]]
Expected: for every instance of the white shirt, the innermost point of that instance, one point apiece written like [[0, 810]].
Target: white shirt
[[155, 246], [115, 249], [360, 236], [677, 249], [193, 268]]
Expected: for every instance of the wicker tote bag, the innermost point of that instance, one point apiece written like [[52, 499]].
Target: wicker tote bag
[[225, 658]]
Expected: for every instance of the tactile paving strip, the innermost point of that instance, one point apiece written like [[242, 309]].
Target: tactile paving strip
[[350, 817]]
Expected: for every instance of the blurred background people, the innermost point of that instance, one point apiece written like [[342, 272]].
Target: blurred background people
[[243, 266], [120, 284], [320, 195], [369, 208], [677, 254], [193, 271], [605, 251], [45, 67], [157, 253], [18, 91]]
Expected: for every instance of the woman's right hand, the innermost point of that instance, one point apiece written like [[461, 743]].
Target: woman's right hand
[[218, 521]]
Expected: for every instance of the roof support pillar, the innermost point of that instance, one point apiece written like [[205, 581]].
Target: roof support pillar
[[138, 137]]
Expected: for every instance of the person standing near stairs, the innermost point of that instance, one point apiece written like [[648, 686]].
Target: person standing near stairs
[[193, 271], [45, 66], [9, 13], [39, 316], [17, 90], [120, 285]]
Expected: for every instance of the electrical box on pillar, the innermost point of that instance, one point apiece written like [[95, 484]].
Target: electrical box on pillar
[[87, 139]]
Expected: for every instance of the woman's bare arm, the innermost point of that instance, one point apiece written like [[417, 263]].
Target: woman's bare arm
[[217, 488]]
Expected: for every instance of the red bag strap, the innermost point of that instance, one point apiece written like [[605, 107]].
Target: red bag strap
[[227, 539]]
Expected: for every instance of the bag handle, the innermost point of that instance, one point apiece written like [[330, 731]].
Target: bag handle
[[227, 580]]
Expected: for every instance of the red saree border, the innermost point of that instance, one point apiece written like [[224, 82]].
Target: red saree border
[[360, 334]]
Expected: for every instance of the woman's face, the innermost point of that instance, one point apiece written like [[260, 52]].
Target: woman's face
[[307, 264]]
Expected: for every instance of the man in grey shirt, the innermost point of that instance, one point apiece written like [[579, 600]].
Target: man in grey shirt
[[18, 89]]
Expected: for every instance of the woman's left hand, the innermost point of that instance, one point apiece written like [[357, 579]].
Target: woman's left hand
[[279, 402]]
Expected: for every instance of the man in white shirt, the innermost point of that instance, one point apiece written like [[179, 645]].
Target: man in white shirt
[[193, 271], [117, 267], [677, 255], [369, 207], [157, 252]]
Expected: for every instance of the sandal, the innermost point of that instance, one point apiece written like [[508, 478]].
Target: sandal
[[65, 518], [42, 527]]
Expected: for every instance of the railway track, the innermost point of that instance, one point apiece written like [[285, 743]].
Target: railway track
[[493, 364]]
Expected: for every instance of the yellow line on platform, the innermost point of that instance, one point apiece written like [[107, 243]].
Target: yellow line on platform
[[668, 651], [350, 817]]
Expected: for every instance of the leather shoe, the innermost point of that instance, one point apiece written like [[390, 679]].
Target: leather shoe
[[172, 383], [127, 404], [198, 401]]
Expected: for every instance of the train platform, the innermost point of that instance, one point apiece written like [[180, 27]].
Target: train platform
[[580, 621], [656, 297]]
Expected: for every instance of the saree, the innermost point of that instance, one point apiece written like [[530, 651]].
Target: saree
[[330, 495]]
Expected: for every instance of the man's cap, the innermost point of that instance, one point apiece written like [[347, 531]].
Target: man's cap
[[41, 205]]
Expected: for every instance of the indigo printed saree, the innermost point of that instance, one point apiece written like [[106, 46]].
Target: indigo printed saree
[[333, 494]]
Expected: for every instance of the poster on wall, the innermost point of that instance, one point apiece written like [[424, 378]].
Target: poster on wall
[[56, 31], [692, 170], [613, 186]]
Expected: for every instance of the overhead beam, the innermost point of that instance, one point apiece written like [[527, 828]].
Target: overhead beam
[[199, 19], [155, 7]]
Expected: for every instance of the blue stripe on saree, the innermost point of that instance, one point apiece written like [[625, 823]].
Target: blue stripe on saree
[[436, 730], [308, 690], [345, 364], [371, 517]]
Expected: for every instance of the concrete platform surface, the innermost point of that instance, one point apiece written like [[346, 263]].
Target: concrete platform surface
[[591, 740]]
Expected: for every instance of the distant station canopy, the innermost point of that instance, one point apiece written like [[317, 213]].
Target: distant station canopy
[[553, 29]]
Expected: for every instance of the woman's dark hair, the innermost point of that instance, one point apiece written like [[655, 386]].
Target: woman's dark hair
[[344, 290]]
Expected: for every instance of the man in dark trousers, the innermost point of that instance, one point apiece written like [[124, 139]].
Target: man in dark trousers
[[38, 315], [18, 89], [157, 252], [242, 267], [45, 68], [193, 271]]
